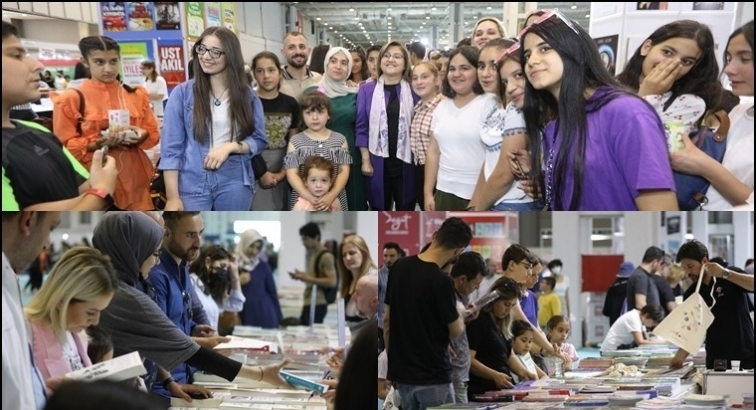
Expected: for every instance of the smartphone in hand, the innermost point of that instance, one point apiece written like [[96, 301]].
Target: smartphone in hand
[[104, 155]]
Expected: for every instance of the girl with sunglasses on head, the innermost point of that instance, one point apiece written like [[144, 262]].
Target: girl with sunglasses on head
[[213, 126], [731, 180], [503, 131], [602, 148], [675, 70]]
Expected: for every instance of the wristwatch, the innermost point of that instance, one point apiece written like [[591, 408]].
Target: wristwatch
[[102, 194], [726, 274]]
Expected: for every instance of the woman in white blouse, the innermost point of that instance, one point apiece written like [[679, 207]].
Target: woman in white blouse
[[156, 87], [216, 280]]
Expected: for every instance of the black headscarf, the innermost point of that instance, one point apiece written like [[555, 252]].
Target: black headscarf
[[128, 238]]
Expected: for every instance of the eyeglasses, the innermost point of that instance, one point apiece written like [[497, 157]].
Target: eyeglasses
[[187, 304], [394, 56], [510, 51], [200, 49], [528, 266], [547, 14]]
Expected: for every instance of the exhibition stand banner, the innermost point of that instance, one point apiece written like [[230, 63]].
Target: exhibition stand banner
[[163, 32]]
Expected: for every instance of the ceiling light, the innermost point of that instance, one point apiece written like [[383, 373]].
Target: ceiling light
[[357, 18], [317, 18], [573, 7], [351, 9], [388, 9], [427, 17], [587, 16], [488, 8], [433, 9], [389, 17], [335, 31], [330, 28]]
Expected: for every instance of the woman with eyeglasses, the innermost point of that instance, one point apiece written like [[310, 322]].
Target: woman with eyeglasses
[[602, 147], [212, 128], [132, 241], [216, 282], [262, 307], [384, 114], [490, 339], [126, 135]]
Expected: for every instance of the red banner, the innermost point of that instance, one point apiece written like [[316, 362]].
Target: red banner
[[400, 227], [172, 67]]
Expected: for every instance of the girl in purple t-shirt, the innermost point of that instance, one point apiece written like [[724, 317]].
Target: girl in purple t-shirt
[[603, 148]]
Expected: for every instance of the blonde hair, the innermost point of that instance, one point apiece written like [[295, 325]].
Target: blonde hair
[[367, 262], [431, 67], [499, 26], [676, 274], [81, 275]]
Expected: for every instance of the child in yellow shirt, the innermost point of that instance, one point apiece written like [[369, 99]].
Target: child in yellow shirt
[[548, 303]]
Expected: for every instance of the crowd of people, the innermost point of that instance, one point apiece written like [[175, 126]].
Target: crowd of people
[[391, 127], [148, 284], [439, 346]]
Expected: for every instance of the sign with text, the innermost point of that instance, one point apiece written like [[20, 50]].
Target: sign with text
[[401, 227], [170, 57], [132, 55], [195, 20]]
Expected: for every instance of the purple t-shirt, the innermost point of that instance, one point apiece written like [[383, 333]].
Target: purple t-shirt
[[529, 305], [626, 152]]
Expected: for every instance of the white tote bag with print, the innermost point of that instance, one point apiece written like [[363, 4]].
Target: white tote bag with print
[[686, 325]]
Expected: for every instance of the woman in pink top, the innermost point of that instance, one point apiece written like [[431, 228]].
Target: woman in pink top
[[78, 288]]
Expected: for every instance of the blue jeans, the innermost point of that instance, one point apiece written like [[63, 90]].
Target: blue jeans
[[421, 397], [515, 206], [219, 190]]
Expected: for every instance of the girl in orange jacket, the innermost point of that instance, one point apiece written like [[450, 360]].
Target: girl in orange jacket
[[81, 132]]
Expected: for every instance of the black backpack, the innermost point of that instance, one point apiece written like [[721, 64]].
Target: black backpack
[[330, 293]]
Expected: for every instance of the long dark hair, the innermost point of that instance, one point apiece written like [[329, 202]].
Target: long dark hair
[[583, 69], [701, 80], [151, 65], [317, 58], [364, 73], [101, 43], [359, 371], [470, 54], [747, 31], [216, 287], [81, 71], [240, 112]]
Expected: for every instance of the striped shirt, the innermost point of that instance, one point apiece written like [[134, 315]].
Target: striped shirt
[[420, 129]]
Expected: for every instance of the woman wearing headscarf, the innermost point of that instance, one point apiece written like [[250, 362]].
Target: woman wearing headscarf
[[132, 241], [338, 67], [261, 307]]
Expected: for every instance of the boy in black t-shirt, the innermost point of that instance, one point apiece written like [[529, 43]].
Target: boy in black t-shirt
[[38, 172], [730, 336], [421, 317]]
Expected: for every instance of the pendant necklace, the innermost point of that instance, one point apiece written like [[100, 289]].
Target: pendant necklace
[[217, 101]]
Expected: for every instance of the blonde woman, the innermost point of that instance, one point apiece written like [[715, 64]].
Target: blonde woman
[[487, 29], [78, 288], [354, 262]]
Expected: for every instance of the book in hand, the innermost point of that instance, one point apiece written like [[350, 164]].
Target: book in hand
[[482, 301], [303, 384], [117, 369]]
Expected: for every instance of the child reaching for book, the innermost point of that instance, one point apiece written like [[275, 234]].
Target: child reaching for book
[[557, 331], [522, 340], [317, 174], [318, 140]]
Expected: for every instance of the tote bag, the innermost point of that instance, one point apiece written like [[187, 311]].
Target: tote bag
[[686, 325]]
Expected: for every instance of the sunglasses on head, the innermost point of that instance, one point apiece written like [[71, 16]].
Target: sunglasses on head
[[547, 14], [508, 52]]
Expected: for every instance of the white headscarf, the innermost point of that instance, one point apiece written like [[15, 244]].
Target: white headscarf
[[247, 238], [333, 88]]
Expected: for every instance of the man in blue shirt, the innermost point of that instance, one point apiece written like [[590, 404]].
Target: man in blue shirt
[[173, 288]]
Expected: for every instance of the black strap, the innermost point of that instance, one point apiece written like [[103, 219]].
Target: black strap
[[317, 263]]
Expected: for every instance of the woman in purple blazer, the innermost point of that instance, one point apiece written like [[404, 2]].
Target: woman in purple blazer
[[384, 113]]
